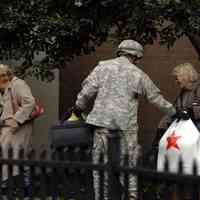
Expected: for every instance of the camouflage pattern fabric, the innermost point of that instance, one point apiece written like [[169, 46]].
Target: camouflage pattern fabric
[[115, 84], [128, 145]]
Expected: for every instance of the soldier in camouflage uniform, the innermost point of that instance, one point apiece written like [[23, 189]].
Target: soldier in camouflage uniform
[[116, 84]]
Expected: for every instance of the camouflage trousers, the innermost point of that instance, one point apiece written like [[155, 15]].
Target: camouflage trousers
[[128, 144]]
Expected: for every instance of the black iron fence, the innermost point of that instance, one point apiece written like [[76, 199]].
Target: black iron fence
[[66, 174]]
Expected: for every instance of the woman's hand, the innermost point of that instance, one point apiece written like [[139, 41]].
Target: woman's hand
[[12, 123]]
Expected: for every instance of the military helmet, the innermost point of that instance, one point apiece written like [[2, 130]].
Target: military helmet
[[131, 47]]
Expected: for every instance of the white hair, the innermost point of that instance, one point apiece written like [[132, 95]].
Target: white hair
[[6, 68], [187, 74], [187, 71]]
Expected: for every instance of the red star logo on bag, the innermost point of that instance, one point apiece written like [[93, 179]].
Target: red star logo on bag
[[172, 141]]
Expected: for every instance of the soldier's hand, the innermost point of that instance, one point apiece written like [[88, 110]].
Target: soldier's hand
[[78, 111]]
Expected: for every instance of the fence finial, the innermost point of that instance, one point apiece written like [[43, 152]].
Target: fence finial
[[10, 151], [194, 167], [180, 165], [166, 164]]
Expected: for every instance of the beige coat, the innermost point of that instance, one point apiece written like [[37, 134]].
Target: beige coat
[[20, 94]]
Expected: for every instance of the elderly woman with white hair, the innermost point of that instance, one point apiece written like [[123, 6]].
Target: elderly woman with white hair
[[17, 104], [188, 100], [187, 104]]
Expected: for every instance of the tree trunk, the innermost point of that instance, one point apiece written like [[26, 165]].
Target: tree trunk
[[195, 40]]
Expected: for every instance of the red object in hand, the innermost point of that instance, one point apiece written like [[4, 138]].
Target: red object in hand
[[38, 109]]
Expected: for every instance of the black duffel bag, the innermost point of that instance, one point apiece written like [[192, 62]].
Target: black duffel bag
[[71, 133]]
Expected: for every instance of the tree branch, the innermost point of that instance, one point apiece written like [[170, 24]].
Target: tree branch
[[195, 40]]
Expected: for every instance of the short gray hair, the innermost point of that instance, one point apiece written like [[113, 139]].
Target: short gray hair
[[6, 68]]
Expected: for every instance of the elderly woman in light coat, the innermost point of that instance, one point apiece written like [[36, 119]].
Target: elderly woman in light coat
[[17, 104]]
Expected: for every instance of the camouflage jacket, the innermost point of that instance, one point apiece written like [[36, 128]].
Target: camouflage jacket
[[115, 84]]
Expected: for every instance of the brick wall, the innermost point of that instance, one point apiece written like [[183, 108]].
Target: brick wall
[[157, 63]]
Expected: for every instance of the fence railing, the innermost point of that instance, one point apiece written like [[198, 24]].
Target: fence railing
[[66, 174]]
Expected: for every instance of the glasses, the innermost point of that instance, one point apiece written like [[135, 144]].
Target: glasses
[[3, 75]]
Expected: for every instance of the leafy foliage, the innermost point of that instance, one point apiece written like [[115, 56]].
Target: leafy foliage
[[67, 28]]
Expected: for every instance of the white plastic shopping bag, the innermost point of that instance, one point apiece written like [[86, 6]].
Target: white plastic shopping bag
[[182, 139]]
